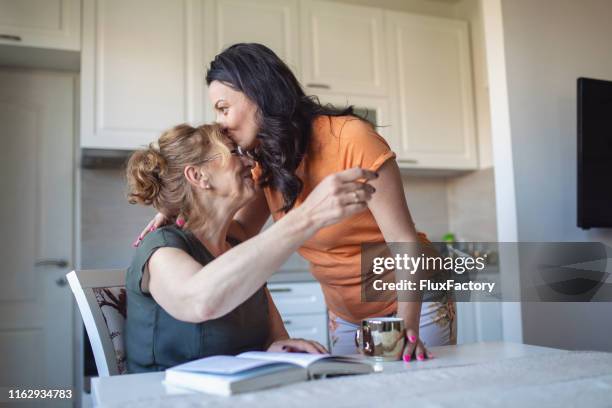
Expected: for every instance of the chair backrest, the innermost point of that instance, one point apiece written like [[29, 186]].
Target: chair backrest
[[101, 298]]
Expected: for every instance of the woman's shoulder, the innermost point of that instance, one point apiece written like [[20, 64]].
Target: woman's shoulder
[[348, 141], [345, 126], [166, 236], [347, 132]]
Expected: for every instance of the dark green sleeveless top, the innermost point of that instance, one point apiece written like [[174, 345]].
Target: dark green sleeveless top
[[154, 340]]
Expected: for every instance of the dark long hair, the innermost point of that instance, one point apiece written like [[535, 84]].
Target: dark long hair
[[284, 112]]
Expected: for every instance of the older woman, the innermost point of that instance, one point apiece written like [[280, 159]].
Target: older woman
[[198, 291]]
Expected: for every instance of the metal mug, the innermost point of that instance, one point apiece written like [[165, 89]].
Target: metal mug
[[382, 338]]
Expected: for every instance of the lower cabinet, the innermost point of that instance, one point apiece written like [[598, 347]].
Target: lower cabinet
[[302, 308]]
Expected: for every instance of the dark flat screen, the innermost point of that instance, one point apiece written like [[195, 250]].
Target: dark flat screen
[[594, 153]]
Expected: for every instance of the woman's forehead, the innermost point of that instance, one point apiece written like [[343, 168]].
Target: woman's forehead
[[220, 89]]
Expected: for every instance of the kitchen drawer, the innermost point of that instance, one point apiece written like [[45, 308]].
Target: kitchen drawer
[[311, 327], [297, 298]]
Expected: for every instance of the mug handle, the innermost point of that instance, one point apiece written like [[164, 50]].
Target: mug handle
[[368, 344], [363, 340]]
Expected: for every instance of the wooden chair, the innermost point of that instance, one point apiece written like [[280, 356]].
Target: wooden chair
[[101, 298]]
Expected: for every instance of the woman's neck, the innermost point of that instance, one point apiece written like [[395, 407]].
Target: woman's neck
[[213, 232]]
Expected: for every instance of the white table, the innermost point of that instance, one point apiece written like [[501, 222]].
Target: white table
[[473, 374]]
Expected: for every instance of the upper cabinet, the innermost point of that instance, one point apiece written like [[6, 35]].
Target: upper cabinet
[[144, 64], [141, 73], [41, 23], [343, 49], [432, 100], [270, 22]]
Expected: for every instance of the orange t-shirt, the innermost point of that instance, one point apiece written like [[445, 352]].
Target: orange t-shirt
[[334, 252]]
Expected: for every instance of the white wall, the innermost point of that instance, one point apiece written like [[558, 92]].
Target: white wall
[[549, 43]]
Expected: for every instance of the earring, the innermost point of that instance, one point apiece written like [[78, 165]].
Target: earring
[[207, 186]]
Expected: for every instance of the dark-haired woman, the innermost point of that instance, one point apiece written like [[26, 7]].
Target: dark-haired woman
[[296, 143], [197, 291]]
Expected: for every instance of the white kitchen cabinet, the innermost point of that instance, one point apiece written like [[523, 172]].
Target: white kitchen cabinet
[[309, 326], [272, 23], [432, 96], [302, 308], [41, 23], [343, 49], [142, 70]]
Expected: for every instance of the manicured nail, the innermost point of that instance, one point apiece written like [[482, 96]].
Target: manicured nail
[[421, 357], [431, 356], [180, 222], [135, 244], [152, 229], [412, 339], [407, 358]]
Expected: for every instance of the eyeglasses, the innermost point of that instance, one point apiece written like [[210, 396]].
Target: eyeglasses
[[238, 151]]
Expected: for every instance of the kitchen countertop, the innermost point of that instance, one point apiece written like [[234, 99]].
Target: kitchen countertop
[[497, 374]]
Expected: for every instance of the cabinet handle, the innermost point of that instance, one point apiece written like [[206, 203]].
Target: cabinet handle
[[409, 161], [10, 37], [320, 86], [279, 290], [286, 321], [59, 263]]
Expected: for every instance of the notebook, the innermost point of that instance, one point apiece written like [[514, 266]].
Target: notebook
[[255, 370]]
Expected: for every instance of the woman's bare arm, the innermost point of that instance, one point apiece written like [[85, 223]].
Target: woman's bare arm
[[196, 293], [193, 293], [389, 208], [276, 326]]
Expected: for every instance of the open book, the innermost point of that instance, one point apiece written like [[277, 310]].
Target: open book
[[254, 370]]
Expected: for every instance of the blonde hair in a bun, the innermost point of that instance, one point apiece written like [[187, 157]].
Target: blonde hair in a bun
[[155, 174]]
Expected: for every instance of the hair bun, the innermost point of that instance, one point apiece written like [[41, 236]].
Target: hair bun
[[144, 171]]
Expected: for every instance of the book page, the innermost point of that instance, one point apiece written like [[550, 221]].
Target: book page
[[224, 365], [301, 359]]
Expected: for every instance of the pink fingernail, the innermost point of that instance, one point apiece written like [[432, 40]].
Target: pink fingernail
[[180, 222], [412, 339], [421, 357], [135, 244], [407, 358], [152, 229]]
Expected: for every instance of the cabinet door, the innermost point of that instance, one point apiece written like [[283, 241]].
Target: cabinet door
[[297, 298], [308, 326], [432, 99], [342, 48], [140, 70], [41, 23], [272, 23]]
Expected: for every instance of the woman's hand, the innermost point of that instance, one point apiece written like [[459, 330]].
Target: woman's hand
[[338, 196], [414, 346], [297, 346], [158, 221]]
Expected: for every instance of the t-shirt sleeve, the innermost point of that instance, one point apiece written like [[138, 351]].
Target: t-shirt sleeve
[[361, 146], [161, 238]]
